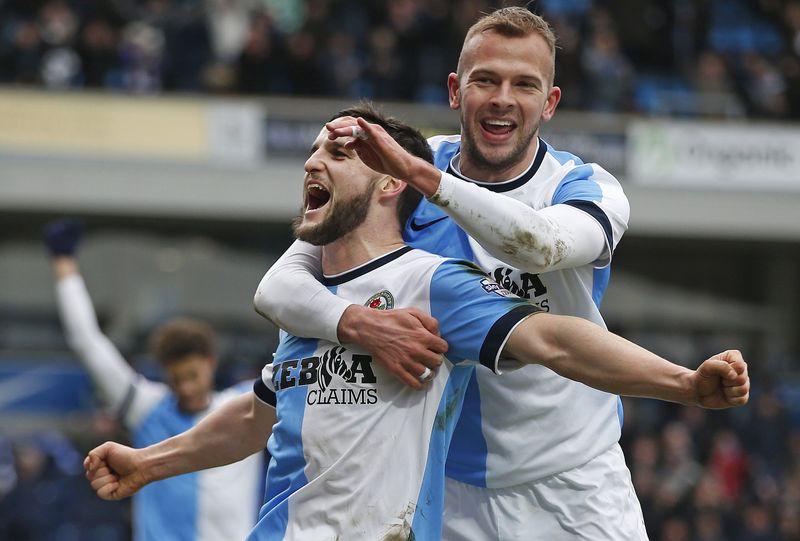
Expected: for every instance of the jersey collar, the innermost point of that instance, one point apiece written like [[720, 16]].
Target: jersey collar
[[338, 279], [506, 185]]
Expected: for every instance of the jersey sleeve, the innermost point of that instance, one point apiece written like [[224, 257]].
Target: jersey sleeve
[[264, 388], [475, 314], [130, 395], [593, 191], [517, 234], [291, 296]]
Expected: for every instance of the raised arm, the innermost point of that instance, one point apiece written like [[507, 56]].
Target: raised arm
[[556, 237], [114, 378], [291, 296], [561, 236], [580, 350], [231, 433]]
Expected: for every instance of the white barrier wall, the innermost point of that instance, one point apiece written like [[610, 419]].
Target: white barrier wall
[[233, 159]]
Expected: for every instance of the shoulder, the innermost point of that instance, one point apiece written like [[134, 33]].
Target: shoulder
[[444, 147], [453, 274], [444, 140], [571, 167], [562, 157]]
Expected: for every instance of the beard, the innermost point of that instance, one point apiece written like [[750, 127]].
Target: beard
[[343, 217], [471, 150]]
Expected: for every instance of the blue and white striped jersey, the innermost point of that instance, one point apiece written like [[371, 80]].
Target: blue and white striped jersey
[[531, 423], [356, 453]]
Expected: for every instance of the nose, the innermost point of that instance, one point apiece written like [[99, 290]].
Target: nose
[[313, 163], [502, 96]]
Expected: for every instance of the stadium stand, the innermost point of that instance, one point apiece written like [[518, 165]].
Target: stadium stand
[[701, 476]]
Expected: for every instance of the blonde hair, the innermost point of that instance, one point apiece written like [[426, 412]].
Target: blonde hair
[[512, 22]]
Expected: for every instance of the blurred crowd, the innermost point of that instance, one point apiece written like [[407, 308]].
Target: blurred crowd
[[44, 495], [717, 476], [686, 57]]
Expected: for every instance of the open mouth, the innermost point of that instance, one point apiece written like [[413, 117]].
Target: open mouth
[[316, 196], [498, 127]]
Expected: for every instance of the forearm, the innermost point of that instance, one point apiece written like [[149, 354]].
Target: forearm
[[233, 432], [518, 234], [64, 266], [582, 351], [106, 366], [291, 296]]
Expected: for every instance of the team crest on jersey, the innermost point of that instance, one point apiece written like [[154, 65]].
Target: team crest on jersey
[[382, 300], [490, 286]]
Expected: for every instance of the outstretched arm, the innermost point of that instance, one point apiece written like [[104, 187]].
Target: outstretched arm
[[231, 433], [109, 371], [582, 351], [556, 237], [290, 295]]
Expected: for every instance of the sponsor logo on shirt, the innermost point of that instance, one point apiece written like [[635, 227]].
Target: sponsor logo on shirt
[[490, 286], [526, 285], [337, 376], [417, 226]]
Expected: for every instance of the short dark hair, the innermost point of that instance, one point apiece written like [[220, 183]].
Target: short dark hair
[[408, 137], [180, 338]]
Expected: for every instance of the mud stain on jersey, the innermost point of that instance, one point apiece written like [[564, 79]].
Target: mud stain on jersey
[[401, 529], [439, 201], [522, 240], [451, 409]]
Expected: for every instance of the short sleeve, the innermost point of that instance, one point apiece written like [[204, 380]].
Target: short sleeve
[[264, 387], [475, 314], [593, 190]]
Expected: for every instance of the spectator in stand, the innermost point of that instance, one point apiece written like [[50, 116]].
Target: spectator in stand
[[713, 85], [260, 67], [764, 86], [607, 74], [97, 48]]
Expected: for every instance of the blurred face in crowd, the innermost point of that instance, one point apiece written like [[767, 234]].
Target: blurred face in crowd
[[338, 192], [191, 379], [504, 91]]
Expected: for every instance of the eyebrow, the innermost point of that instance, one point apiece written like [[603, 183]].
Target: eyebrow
[[483, 72], [336, 144]]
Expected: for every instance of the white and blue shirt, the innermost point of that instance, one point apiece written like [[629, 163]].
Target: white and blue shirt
[[531, 423], [357, 454], [209, 505]]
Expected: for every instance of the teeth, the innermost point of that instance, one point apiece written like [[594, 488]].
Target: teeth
[[501, 123], [315, 186]]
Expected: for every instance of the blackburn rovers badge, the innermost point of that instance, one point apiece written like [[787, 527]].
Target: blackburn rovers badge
[[382, 300]]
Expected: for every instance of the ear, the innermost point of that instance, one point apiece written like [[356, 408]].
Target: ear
[[389, 188], [553, 97], [453, 92]]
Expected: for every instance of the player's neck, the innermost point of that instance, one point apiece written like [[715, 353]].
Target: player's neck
[[482, 172], [368, 241]]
